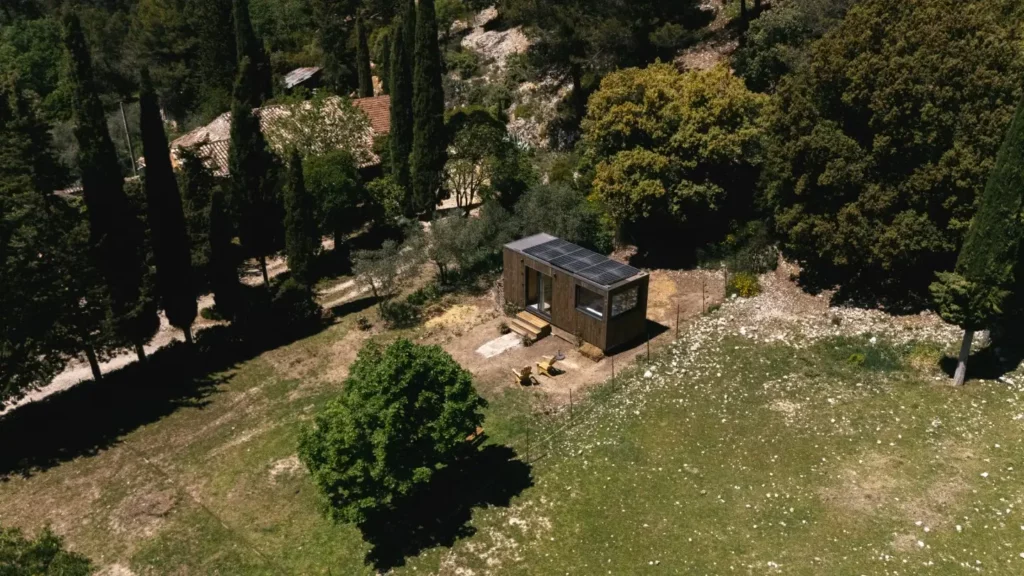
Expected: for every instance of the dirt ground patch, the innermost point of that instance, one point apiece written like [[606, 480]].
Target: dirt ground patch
[[867, 486], [142, 513], [284, 467], [880, 482]]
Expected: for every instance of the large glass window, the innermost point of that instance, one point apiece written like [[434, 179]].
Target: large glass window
[[590, 302], [625, 301]]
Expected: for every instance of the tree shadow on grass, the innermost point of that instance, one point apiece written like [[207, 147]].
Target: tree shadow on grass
[[93, 416], [439, 515], [999, 358], [352, 306]]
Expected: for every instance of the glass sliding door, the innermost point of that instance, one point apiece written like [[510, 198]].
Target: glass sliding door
[[539, 290]]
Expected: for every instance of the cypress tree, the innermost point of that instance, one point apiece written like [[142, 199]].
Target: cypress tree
[[402, 35], [260, 77], [168, 233], [973, 295], [250, 163], [383, 47], [334, 31], [429, 140], [116, 234], [54, 304], [223, 266], [301, 237], [363, 60], [217, 61], [30, 353]]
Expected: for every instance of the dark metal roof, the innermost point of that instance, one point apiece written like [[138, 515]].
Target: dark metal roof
[[584, 263]]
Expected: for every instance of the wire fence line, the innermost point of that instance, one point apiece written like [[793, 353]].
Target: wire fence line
[[542, 430]]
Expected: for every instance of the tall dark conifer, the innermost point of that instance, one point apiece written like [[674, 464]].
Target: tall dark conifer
[[249, 45], [217, 62], [300, 233], [223, 265], [402, 38], [115, 231], [429, 140], [363, 60], [66, 295], [168, 233], [334, 29], [973, 296], [250, 164], [30, 282]]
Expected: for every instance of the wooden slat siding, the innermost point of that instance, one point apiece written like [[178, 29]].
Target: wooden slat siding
[[591, 329], [630, 327], [515, 278], [563, 313]]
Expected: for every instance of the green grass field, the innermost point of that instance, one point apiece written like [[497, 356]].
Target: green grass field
[[725, 455]]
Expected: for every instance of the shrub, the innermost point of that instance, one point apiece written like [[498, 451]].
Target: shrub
[[428, 293], [294, 309], [503, 328], [45, 554], [511, 308], [744, 285], [465, 63], [405, 412], [363, 323], [400, 314]]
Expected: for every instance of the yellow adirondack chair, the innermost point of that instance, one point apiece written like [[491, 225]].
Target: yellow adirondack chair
[[523, 377], [547, 366]]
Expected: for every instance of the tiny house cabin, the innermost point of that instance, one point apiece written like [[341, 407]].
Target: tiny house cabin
[[581, 293]]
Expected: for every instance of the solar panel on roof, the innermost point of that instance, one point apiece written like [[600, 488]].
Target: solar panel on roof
[[580, 261], [608, 272]]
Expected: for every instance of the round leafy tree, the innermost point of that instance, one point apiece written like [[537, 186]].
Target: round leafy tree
[[405, 412], [673, 152]]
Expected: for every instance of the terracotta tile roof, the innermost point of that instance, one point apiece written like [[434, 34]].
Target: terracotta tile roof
[[378, 108], [213, 140]]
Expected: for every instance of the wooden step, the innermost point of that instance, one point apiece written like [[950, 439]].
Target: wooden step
[[534, 320], [521, 327]]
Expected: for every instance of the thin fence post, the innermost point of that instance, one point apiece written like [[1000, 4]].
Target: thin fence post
[[570, 405], [677, 320], [648, 347], [527, 440], [703, 292]]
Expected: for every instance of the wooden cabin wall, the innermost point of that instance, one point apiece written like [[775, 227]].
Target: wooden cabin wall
[[514, 278], [607, 333], [631, 326], [563, 305]]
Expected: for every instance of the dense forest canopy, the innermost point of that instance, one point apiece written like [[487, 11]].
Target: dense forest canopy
[[854, 135], [883, 141]]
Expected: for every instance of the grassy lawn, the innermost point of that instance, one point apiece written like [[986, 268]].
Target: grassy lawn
[[727, 454]]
